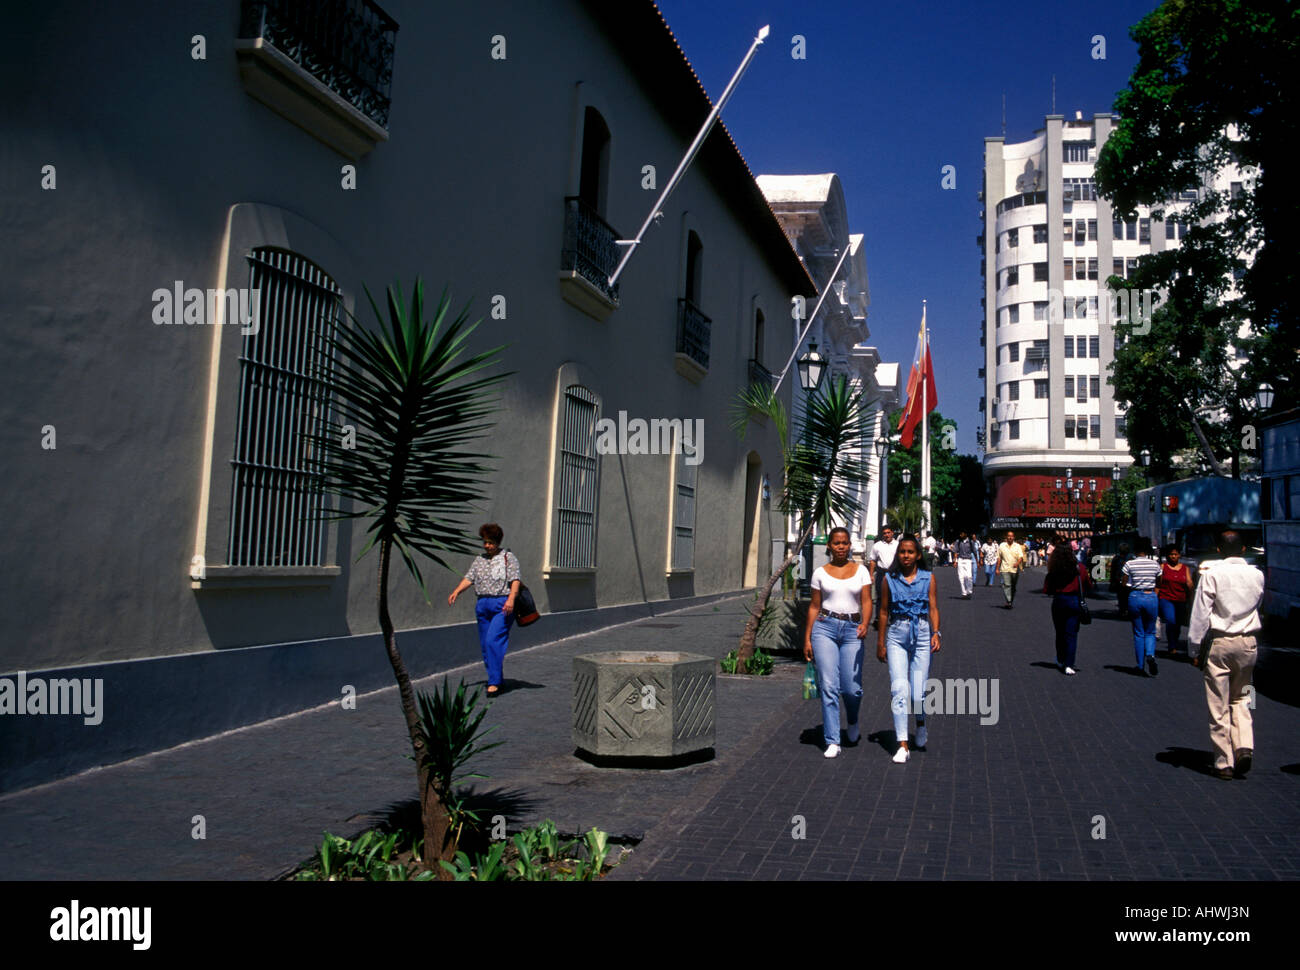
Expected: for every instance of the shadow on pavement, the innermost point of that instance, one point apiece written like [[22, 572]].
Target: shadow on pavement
[[1196, 759], [1131, 671]]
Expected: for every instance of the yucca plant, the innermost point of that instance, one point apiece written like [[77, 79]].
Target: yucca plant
[[823, 471], [414, 396]]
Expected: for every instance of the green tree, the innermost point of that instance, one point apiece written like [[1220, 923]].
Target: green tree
[[945, 468], [822, 471], [411, 394], [1118, 504], [1204, 68]]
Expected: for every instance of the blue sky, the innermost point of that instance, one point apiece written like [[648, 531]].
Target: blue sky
[[887, 96]]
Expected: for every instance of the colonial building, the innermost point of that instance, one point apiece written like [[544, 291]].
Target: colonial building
[[172, 537], [813, 213]]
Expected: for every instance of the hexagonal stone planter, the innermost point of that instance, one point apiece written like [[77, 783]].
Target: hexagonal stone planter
[[643, 703]]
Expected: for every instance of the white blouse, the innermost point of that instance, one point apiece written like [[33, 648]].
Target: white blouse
[[841, 595]]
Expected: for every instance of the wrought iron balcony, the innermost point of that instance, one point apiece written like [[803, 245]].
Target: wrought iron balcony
[[693, 331], [758, 374], [347, 45], [589, 249]]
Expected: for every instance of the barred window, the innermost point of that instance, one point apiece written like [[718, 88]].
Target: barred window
[[575, 512], [278, 497], [682, 514]]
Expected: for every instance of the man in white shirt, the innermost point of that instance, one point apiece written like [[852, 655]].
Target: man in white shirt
[[1225, 615], [882, 557], [964, 552]]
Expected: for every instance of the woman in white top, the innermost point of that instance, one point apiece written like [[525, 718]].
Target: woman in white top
[[837, 622]]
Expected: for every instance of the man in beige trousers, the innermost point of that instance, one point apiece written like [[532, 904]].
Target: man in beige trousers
[[1225, 618]]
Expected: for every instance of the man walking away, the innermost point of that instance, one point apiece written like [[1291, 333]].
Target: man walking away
[[965, 553], [1225, 618], [879, 560], [1011, 559]]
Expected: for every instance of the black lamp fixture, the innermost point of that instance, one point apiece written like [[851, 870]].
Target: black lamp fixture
[[812, 366], [1114, 472], [882, 447], [907, 476], [1146, 457], [1264, 396]]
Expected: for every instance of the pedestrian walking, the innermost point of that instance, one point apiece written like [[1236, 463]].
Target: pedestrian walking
[[990, 551], [837, 624], [495, 578], [1031, 550], [1067, 581], [907, 638], [1141, 574], [1011, 559], [882, 557], [1117, 585], [965, 552], [1224, 621], [1174, 592]]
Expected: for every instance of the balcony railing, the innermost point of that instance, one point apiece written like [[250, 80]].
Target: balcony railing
[[693, 330], [589, 248], [347, 45], [758, 374]]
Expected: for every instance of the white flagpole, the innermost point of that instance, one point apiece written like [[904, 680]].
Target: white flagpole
[[631, 244], [925, 426], [813, 316]]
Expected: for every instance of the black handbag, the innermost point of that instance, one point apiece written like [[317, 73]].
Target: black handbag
[[1085, 617], [525, 606]]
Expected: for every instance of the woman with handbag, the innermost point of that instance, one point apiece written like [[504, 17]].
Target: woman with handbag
[[1067, 580], [495, 578]]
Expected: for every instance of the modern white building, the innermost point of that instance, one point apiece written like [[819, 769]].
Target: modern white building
[[813, 212], [1049, 244]]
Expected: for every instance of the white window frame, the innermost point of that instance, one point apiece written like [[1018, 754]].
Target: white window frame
[[571, 375]]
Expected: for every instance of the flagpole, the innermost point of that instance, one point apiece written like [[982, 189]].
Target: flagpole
[[925, 427]]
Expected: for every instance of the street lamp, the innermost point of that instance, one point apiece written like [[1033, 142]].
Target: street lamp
[[812, 366], [907, 518], [1146, 457], [1264, 396], [1114, 472], [882, 448]]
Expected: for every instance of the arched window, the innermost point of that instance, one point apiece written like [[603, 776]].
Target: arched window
[[277, 495], [593, 183], [578, 487]]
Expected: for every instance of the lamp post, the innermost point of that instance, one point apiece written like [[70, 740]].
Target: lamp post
[[882, 452], [907, 502], [812, 367], [1145, 454]]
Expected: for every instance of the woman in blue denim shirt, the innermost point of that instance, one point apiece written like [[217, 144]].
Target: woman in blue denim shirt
[[908, 598], [837, 622]]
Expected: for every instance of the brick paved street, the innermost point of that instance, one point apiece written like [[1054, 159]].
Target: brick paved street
[[1011, 800]]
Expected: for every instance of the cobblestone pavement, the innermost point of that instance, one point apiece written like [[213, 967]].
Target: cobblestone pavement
[[1019, 799], [1016, 799]]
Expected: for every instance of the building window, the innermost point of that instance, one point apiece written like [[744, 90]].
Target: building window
[[1013, 391], [1117, 267], [1012, 276], [1079, 189], [589, 249], [1092, 267], [1094, 387], [1040, 234], [1014, 351], [1081, 427], [1092, 308], [577, 493], [1069, 345], [1121, 426], [278, 499], [1013, 313], [1081, 345], [1077, 151], [1094, 425], [1131, 267], [1144, 230], [1081, 388], [1067, 230], [1069, 387], [1092, 230], [1040, 390], [1040, 310], [1067, 269], [682, 513], [1013, 238], [1040, 272], [1131, 230], [758, 337], [694, 329], [1094, 346], [1080, 231], [1069, 426], [1014, 430]]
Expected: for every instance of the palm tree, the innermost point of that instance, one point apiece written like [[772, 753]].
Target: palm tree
[[407, 391], [823, 472]]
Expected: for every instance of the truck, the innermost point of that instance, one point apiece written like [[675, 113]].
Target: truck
[[1280, 508], [1191, 513]]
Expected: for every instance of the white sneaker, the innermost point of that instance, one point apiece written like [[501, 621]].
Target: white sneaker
[[922, 735], [901, 755], [854, 733], [1070, 671], [832, 750]]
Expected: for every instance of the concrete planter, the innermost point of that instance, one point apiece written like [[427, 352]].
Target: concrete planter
[[637, 703]]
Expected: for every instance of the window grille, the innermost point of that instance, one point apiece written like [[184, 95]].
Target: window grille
[[684, 510], [278, 496], [579, 479]]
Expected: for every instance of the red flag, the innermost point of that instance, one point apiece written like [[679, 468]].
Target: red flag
[[921, 365]]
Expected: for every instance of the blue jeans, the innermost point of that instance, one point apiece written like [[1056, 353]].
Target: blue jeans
[[1169, 613], [909, 666], [988, 575], [1065, 617], [493, 634], [1142, 604], [837, 651]]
